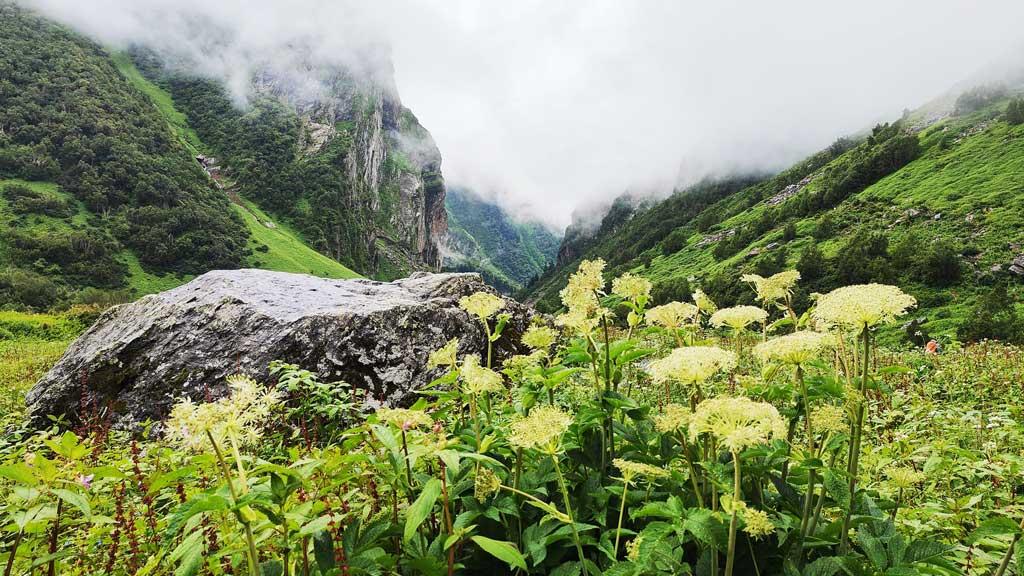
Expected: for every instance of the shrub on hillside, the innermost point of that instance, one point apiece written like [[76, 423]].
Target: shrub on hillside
[[673, 289], [978, 97], [22, 289], [24, 200], [941, 264], [1014, 114], [995, 317], [812, 263], [864, 259]]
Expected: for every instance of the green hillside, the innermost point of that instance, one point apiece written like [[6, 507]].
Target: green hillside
[[482, 237], [937, 209], [110, 187], [273, 245]]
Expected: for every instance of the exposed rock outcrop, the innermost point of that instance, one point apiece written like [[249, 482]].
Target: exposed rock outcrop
[[139, 358], [392, 165]]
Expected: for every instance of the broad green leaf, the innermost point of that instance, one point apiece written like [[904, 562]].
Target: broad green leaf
[[20, 472], [315, 525], [75, 499], [504, 551], [838, 488], [997, 526], [323, 551], [420, 509], [188, 554]]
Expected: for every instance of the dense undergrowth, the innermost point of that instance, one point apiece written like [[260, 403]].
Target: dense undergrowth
[[666, 440]]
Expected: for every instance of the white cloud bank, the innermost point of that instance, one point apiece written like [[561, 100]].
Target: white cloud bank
[[547, 105]]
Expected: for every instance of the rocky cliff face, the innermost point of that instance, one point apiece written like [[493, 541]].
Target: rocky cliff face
[[392, 165]]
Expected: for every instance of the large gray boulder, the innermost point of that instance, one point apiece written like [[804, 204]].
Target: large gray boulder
[[139, 358]]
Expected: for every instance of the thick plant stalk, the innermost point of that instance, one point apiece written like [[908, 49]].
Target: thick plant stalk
[[858, 431], [568, 512], [811, 476], [252, 555], [730, 555], [622, 511], [408, 466]]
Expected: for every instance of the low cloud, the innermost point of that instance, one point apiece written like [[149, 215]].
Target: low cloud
[[547, 106]]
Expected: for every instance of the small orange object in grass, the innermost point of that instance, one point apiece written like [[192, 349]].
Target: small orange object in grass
[[932, 347]]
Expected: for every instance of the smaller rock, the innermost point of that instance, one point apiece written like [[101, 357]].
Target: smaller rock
[[1017, 266]]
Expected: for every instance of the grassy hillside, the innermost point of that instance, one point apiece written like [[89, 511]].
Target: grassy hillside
[[272, 248], [939, 211], [484, 238], [111, 187]]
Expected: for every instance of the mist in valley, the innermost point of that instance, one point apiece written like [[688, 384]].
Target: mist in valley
[[551, 107]]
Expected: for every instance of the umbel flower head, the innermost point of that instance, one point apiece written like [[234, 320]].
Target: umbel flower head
[[692, 364], [829, 419], [757, 524], [404, 418], [904, 477], [632, 287], [542, 429], [796, 348], [738, 422], [738, 317], [862, 306], [671, 315], [483, 305], [773, 288], [540, 337], [478, 379], [580, 296], [632, 469], [704, 303], [485, 483], [673, 418], [238, 416], [445, 355]]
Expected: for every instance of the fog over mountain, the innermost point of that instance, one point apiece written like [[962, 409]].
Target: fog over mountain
[[546, 106]]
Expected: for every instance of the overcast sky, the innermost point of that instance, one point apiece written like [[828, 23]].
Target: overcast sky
[[547, 105]]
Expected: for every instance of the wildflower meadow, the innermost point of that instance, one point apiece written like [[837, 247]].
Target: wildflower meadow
[[631, 440]]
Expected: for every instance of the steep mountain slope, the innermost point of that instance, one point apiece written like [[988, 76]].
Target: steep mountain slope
[[483, 237], [934, 203], [111, 187], [273, 245], [332, 152]]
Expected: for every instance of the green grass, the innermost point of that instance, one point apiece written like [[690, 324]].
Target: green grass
[[286, 252], [142, 282], [30, 344], [162, 100]]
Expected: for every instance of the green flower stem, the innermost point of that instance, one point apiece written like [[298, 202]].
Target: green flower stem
[[622, 511], [476, 420], [408, 466], [568, 511], [811, 475], [858, 431], [821, 498], [693, 470], [730, 555], [252, 555]]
